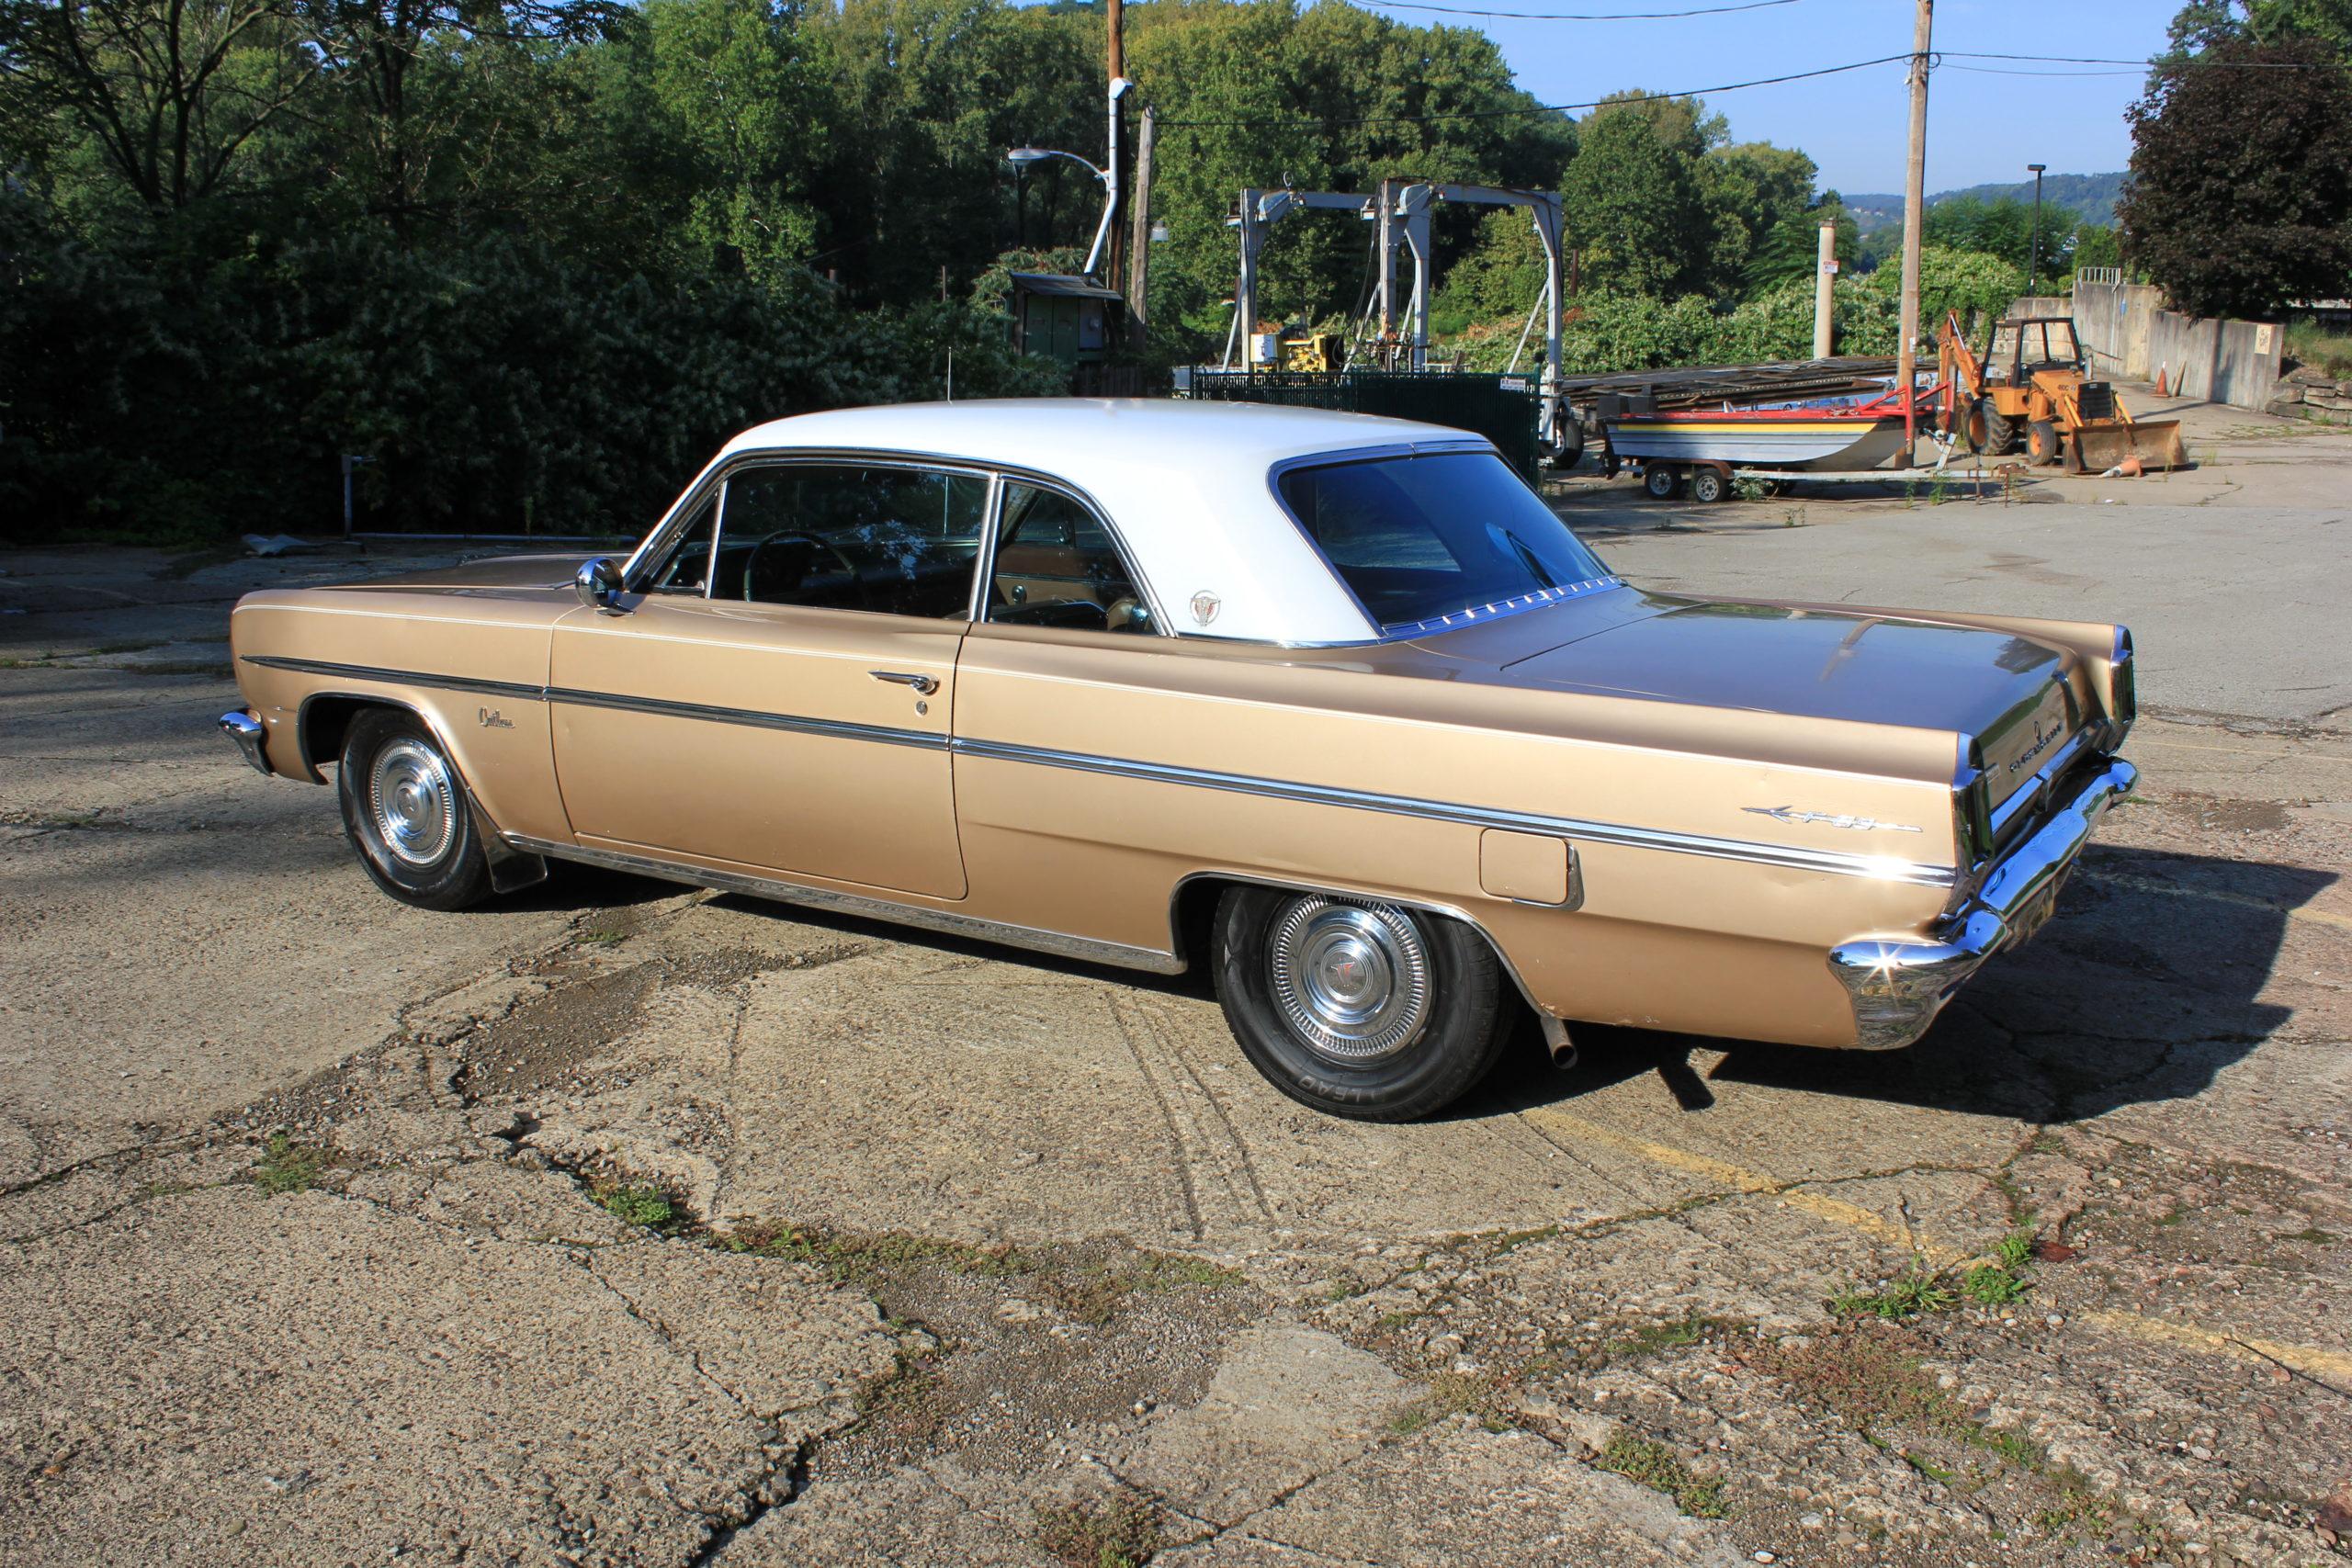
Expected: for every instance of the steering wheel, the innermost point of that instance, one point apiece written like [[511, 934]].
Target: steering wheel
[[752, 561]]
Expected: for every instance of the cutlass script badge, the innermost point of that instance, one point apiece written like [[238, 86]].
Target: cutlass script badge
[[490, 719], [1859, 824]]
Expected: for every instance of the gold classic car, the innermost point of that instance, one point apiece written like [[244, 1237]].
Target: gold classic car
[[1334, 706]]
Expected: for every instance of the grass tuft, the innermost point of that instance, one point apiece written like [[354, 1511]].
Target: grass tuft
[[640, 1203], [1654, 1465], [1917, 1289], [286, 1166], [1122, 1533]]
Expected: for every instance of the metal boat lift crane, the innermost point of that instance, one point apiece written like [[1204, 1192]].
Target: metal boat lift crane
[[1402, 211]]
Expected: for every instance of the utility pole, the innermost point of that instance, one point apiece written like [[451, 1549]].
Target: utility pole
[[1915, 205], [1825, 274], [2033, 250], [1139, 232]]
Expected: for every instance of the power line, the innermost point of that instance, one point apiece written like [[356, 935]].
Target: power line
[[2141, 64], [1504, 114], [1558, 16]]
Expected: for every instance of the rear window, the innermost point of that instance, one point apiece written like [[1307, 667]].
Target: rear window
[[1428, 541]]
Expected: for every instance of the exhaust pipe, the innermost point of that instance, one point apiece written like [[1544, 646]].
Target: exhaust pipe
[[1556, 1037]]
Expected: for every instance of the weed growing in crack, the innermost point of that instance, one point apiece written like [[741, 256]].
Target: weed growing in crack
[[640, 1203], [286, 1166], [1917, 1289], [1652, 1337], [1654, 1465], [1866, 1378], [1123, 1533], [2001, 1280]]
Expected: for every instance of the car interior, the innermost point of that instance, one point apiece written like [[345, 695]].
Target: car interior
[[903, 542], [1057, 567]]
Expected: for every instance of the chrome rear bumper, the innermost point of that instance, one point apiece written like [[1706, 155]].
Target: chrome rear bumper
[[251, 738], [1898, 986]]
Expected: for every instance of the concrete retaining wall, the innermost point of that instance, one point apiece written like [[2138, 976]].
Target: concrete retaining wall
[[2131, 335]]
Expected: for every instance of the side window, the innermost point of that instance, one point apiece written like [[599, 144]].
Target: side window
[[686, 567], [838, 536], [1057, 567]]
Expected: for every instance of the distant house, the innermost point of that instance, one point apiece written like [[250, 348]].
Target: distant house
[[1073, 320]]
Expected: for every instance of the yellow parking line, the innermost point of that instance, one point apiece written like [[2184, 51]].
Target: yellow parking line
[[1744, 1180], [2301, 1358], [2305, 1358], [2150, 884]]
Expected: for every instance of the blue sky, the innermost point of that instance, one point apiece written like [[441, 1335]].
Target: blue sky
[[1981, 128]]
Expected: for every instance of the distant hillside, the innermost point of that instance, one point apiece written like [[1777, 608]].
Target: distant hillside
[[2090, 196]]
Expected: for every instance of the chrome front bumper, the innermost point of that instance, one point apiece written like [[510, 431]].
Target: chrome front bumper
[[251, 738], [1898, 986]]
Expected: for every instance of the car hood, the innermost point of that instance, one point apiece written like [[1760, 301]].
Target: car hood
[[1812, 663], [492, 571]]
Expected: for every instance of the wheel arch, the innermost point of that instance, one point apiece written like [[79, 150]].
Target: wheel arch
[[323, 724], [1193, 900]]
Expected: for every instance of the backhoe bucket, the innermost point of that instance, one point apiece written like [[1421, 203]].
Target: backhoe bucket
[[2094, 448]]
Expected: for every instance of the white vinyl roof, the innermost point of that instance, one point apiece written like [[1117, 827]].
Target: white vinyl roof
[[1185, 483]]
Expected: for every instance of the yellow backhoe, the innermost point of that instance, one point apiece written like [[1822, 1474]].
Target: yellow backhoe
[[2032, 384]]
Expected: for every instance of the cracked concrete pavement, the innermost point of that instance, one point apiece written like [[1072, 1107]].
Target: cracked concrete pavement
[[614, 1224]]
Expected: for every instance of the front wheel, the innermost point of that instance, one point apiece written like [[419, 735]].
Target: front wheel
[[2041, 443], [1662, 480], [407, 813], [1359, 1008]]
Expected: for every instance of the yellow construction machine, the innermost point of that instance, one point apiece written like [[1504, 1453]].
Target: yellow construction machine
[[2031, 383]]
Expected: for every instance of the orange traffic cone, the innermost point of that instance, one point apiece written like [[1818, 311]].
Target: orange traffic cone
[[2161, 389]]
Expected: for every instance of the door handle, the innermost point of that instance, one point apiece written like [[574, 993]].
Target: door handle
[[924, 684]]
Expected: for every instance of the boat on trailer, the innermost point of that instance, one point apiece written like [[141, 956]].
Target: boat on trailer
[[1828, 435]]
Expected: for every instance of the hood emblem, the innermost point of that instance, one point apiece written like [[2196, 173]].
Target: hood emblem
[[1206, 605], [1830, 820]]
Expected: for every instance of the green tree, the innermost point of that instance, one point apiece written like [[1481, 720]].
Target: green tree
[[168, 92], [1748, 190], [1790, 250], [1635, 207], [2241, 197], [746, 98]]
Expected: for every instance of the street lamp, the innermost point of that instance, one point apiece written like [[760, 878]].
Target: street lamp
[[1023, 157], [2033, 253]]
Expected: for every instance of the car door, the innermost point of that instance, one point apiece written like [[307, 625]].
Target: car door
[[776, 692]]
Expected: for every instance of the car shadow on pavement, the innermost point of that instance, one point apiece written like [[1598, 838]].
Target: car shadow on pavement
[[2144, 987]]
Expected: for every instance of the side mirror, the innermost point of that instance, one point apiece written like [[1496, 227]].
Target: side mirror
[[598, 582]]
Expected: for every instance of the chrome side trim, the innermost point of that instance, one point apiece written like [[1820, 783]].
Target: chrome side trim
[[838, 729], [1840, 862], [399, 677], [940, 920], [1897, 986], [1835, 862], [841, 729]]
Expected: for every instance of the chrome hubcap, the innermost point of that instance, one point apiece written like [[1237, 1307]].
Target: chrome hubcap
[[1352, 980], [414, 803]]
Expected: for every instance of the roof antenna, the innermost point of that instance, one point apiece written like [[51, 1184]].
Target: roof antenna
[[951, 374]]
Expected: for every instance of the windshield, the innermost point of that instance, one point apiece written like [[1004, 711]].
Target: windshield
[[1424, 540]]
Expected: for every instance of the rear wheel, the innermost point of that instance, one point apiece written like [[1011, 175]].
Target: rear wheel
[[407, 813], [2041, 443], [1359, 1008], [1662, 480], [1989, 430], [1708, 486]]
